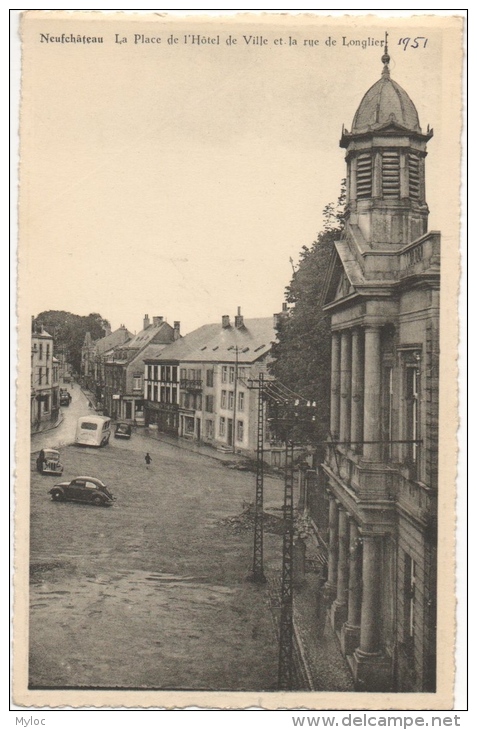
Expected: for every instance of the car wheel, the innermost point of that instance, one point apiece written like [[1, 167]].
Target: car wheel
[[57, 496], [97, 501]]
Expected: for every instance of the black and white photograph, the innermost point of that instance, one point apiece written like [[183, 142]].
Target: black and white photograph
[[238, 278]]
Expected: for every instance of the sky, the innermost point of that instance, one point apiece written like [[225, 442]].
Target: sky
[[179, 179]]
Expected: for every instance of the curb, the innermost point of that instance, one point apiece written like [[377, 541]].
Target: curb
[[51, 428]]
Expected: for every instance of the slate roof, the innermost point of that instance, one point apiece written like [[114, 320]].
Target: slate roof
[[214, 343]]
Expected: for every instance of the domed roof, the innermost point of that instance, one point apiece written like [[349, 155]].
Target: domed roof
[[385, 102]]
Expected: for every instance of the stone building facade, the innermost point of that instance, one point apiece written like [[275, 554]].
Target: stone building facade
[[381, 463]]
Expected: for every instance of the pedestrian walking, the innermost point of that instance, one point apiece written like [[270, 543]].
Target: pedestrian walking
[[148, 460]]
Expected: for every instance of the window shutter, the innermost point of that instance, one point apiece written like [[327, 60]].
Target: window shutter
[[391, 174], [363, 177], [414, 186]]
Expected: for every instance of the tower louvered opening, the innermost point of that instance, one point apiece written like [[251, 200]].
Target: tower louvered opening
[[391, 174], [364, 177], [414, 181]]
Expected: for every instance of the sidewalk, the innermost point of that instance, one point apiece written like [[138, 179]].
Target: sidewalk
[[47, 425], [318, 662]]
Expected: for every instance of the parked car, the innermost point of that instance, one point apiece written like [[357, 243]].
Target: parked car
[[48, 462], [123, 431], [83, 489]]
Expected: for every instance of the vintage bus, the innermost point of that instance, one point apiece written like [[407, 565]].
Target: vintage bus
[[93, 431]]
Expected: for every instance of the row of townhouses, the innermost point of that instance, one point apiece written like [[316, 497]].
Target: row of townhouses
[[201, 386]]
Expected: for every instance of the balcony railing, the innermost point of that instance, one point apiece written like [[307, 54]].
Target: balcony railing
[[190, 384]]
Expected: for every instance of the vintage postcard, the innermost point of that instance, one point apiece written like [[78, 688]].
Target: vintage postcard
[[238, 265]]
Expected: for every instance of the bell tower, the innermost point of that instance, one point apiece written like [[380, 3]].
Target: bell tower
[[385, 156]]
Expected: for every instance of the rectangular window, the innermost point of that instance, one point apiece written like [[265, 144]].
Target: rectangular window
[[155, 374], [363, 177], [409, 604], [223, 399], [239, 430], [412, 416], [242, 373], [40, 375], [40, 354], [47, 376], [183, 374], [231, 400], [210, 378], [174, 395], [47, 350], [209, 403], [224, 373], [174, 373], [156, 392], [231, 374], [149, 391], [168, 373], [388, 413], [241, 400], [222, 426], [391, 174], [198, 402], [137, 385]]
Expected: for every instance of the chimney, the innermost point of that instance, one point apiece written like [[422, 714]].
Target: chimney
[[156, 321], [146, 322], [107, 330], [225, 321], [280, 316], [238, 319], [177, 330]]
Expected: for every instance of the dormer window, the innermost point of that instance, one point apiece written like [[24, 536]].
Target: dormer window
[[363, 176]]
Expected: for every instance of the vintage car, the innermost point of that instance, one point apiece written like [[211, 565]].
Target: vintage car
[[65, 397], [48, 462], [123, 431], [83, 489]]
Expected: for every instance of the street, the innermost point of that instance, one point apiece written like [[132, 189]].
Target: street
[[151, 592]]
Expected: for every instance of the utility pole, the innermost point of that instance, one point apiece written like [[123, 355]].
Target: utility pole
[[257, 574], [285, 659], [234, 423]]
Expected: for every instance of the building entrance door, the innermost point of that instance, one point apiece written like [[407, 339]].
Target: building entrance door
[[128, 409], [198, 429], [229, 431]]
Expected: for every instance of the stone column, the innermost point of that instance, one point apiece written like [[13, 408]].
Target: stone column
[[330, 587], [345, 386], [351, 629], [357, 370], [335, 385], [370, 604], [339, 611], [371, 669], [372, 393]]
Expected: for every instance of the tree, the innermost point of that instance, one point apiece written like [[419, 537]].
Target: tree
[[68, 331], [302, 352]]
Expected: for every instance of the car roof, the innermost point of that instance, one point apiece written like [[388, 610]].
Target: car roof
[[90, 479]]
